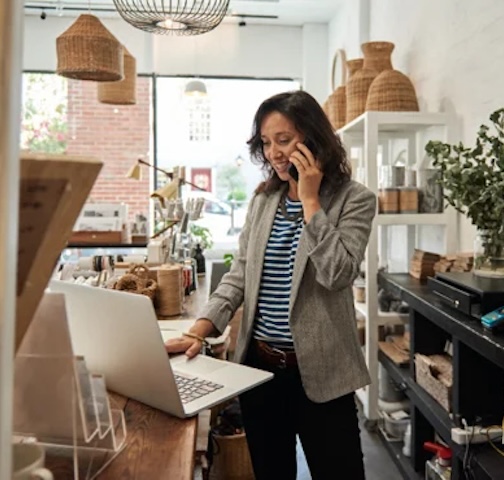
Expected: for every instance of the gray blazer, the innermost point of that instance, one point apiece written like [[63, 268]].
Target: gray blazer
[[322, 315]]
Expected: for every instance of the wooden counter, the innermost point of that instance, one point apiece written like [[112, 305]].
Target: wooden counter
[[158, 445]]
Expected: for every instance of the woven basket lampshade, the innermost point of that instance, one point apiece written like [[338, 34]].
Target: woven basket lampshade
[[88, 51], [122, 92]]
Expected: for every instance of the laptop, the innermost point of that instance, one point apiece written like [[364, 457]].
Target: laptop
[[119, 336]]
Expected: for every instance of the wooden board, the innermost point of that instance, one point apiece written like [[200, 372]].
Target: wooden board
[[52, 192], [397, 356]]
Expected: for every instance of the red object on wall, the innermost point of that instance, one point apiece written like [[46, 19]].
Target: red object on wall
[[202, 177]]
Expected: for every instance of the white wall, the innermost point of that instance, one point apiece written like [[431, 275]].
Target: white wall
[[314, 62], [454, 54], [453, 51], [229, 50]]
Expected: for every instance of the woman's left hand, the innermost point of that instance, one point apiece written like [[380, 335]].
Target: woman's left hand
[[310, 177]]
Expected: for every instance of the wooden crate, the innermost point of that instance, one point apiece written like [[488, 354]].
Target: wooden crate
[[434, 373]]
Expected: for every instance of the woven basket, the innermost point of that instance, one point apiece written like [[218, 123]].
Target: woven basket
[[122, 92], [392, 91], [377, 55], [337, 107], [170, 290], [231, 459], [88, 51], [376, 59], [354, 65]]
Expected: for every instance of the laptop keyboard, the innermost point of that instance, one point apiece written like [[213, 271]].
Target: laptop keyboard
[[191, 388]]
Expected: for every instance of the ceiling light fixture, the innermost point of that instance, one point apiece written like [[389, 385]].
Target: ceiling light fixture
[[179, 17], [195, 88]]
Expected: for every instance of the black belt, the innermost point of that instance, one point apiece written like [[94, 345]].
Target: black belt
[[275, 356]]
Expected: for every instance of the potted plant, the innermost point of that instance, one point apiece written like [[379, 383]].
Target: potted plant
[[473, 183]]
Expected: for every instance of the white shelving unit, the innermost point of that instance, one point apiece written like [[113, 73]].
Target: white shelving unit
[[376, 137]]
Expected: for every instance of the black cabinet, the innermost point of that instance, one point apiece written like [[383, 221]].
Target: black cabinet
[[478, 380]]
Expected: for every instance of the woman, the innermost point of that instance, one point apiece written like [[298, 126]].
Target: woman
[[299, 252]]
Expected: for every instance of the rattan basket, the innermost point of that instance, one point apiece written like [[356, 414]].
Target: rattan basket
[[122, 92], [231, 460], [376, 59], [392, 91], [88, 51]]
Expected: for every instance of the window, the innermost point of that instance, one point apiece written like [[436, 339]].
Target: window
[[212, 145], [199, 119], [60, 115]]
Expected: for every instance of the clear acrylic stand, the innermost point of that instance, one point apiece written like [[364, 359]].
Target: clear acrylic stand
[[61, 405]]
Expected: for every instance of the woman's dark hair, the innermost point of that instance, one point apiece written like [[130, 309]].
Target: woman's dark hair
[[309, 119]]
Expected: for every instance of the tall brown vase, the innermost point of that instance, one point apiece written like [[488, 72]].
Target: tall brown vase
[[376, 59]]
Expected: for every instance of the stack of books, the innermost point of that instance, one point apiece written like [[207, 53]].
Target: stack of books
[[422, 264], [461, 262]]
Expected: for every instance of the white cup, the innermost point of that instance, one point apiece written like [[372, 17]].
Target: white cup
[[28, 462]]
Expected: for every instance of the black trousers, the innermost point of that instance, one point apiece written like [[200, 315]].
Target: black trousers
[[275, 412]]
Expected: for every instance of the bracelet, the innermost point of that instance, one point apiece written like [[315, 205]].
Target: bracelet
[[197, 337]]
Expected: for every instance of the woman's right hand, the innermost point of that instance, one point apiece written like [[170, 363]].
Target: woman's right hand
[[191, 346]]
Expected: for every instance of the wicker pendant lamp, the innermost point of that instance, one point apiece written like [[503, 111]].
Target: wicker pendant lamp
[[122, 92], [179, 17], [88, 51]]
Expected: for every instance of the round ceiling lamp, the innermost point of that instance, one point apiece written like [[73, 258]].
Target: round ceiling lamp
[[179, 17], [195, 88]]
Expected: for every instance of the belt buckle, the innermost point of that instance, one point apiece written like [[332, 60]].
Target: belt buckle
[[283, 357]]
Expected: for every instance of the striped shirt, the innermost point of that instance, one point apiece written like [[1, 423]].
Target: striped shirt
[[272, 319]]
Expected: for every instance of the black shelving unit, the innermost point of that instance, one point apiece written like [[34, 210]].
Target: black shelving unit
[[478, 379]]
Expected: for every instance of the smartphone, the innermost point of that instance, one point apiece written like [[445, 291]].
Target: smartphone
[[293, 172]]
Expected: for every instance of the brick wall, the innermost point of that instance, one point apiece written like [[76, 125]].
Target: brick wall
[[115, 134]]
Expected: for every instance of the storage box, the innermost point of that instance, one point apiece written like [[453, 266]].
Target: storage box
[[434, 373], [97, 237]]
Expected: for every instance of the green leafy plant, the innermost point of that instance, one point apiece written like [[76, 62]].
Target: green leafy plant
[[237, 196], [473, 181], [202, 236], [228, 259]]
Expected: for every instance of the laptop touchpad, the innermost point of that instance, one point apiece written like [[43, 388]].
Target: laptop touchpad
[[196, 366]]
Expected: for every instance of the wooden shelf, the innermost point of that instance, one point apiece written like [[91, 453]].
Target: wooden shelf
[[106, 245]]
